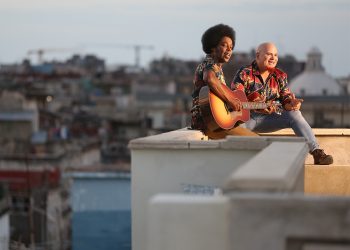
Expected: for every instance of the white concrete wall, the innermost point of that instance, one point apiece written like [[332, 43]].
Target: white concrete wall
[[180, 162], [180, 222], [158, 171], [262, 207], [249, 221]]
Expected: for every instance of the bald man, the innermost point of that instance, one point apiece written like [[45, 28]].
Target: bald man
[[262, 81]]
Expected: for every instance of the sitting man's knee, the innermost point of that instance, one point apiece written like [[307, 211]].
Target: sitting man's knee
[[294, 113]]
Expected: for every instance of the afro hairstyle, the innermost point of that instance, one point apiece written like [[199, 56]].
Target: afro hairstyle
[[213, 35]]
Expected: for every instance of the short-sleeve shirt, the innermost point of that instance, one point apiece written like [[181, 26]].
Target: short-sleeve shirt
[[274, 88], [198, 82]]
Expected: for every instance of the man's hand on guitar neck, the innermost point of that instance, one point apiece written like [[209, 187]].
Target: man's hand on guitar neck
[[269, 110], [272, 107]]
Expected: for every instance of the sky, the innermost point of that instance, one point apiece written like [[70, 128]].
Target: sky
[[111, 28]]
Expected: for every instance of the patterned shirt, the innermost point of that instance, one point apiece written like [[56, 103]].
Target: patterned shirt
[[198, 82], [275, 88]]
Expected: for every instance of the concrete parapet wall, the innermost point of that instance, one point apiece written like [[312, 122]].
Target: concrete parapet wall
[[278, 167], [327, 180], [333, 179], [249, 221], [189, 222], [241, 193], [183, 161]]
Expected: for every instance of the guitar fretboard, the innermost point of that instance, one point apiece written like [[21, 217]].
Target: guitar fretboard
[[254, 105]]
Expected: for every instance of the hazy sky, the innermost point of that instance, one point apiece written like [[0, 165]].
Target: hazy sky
[[173, 27]]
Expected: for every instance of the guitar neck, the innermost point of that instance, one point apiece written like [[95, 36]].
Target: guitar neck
[[254, 105]]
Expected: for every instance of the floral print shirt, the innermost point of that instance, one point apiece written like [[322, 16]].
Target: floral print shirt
[[198, 82], [275, 88]]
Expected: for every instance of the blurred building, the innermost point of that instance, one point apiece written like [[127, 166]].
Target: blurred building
[[29, 168], [326, 104], [32, 160], [345, 83], [314, 81], [4, 219], [40, 212], [101, 207], [19, 117]]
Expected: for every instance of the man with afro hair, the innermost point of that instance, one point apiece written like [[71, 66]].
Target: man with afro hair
[[217, 43]]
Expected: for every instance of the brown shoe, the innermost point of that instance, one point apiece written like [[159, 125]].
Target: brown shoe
[[320, 158]]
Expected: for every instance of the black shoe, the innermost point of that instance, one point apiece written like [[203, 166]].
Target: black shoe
[[320, 158]]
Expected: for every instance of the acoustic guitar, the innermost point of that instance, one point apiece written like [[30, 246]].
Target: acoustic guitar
[[217, 114]]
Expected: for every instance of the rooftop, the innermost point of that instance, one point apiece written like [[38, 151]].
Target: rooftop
[[251, 184]]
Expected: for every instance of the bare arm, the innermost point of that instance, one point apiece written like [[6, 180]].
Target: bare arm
[[219, 90]]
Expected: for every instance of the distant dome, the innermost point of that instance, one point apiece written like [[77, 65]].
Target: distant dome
[[314, 80]]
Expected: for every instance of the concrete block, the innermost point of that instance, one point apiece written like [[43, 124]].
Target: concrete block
[[275, 168], [188, 222], [278, 221], [327, 180]]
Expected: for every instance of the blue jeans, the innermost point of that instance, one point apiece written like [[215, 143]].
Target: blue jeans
[[264, 123]]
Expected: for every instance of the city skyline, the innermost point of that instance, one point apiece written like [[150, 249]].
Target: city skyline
[[112, 29]]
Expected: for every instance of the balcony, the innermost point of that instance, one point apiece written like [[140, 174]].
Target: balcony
[[240, 192]]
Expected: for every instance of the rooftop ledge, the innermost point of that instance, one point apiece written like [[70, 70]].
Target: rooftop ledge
[[184, 161], [194, 139], [191, 139], [334, 141], [317, 131], [332, 179], [290, 150]]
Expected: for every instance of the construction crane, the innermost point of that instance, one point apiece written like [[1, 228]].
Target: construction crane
[[40, 52], [136, 47]]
